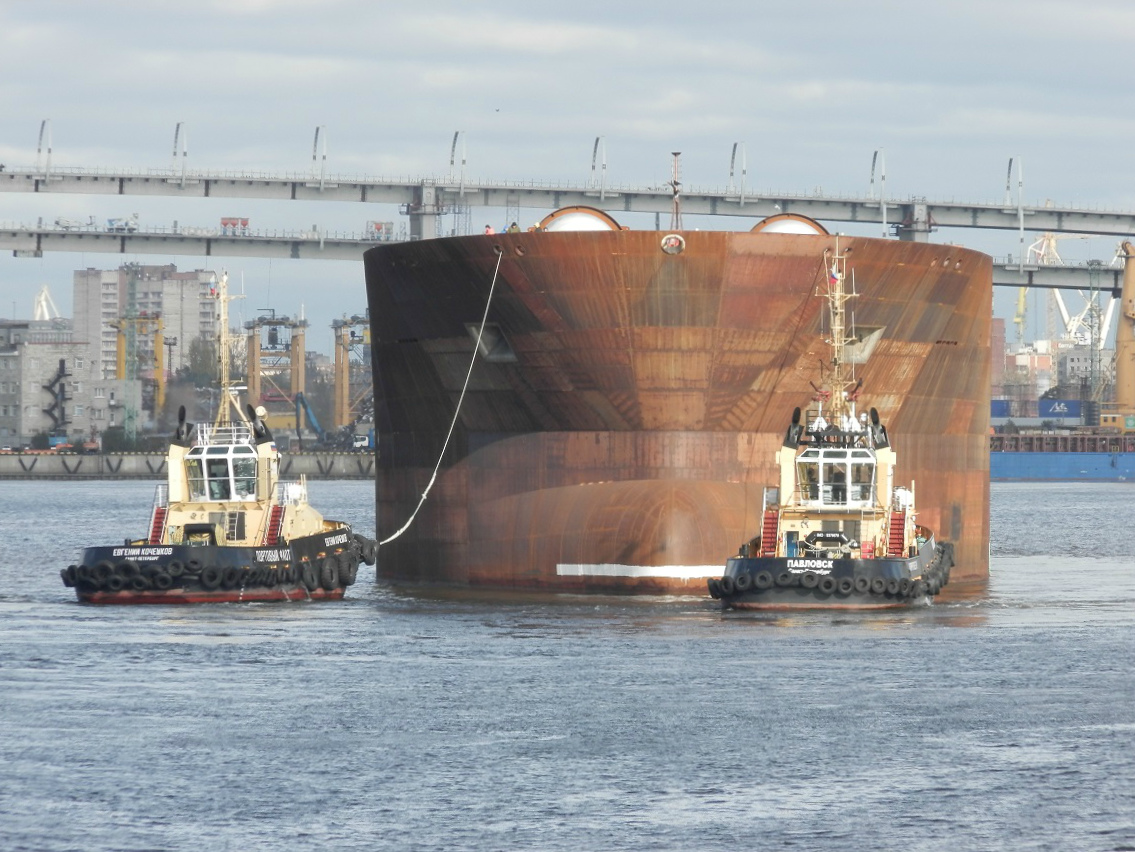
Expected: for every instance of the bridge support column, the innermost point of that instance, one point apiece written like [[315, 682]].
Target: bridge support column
[[916, 223], [423, 213]]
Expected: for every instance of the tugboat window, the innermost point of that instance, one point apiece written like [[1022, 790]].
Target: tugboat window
[[195, 478], [218, 472], [244, 477]]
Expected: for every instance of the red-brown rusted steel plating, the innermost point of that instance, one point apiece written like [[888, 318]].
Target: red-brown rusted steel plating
[[629, 426]]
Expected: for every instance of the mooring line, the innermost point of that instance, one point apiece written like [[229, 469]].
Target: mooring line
[[457, 411]]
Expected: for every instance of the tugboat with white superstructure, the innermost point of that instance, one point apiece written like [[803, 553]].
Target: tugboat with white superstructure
[[224, 527], [837, 531]]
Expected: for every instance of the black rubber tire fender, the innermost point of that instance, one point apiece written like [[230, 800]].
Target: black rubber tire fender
[[785, 579], [83, 574], [128, 570], [809, 579], [211, 577], [193, 567], [763, 580], [878, 586], [370, 551], [115, 583], [727, 586], [904, 586], [827, 584], [862, 585], [743, 582], [714, 586], [329, 573], [140, 583], [309, 577], [892, 586], [230, 577], [162, 581], [68, 576], [348, 568], [175, 568], [917, 589], [845, 586], [101, 570]]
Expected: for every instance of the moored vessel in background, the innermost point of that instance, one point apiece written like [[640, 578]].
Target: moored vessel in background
[[837, 531], [1103, 452], [224, 527], [623, 406]]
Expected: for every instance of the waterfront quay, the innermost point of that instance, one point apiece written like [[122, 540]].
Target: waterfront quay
[[62, 466]]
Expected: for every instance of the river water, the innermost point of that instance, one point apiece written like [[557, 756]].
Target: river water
[[1005, 720]]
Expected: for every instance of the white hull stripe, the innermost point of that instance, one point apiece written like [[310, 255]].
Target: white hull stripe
[[607, 569]]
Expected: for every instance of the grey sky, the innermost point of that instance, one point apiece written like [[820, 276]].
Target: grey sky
[[951, 90]]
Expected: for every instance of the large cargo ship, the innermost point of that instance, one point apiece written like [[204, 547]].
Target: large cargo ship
[[1056, 458], [616, 426]]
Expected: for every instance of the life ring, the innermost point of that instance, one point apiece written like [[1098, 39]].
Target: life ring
[[162, 580], [785, 579], [230, 577], [175, 568], [329, 573], [714, 586], [309, 577], [763, 580], [727, 586], [892, 586], [827, 584], [743, 582], [211, 577], [128, 570], [862, 585], [878, 586], [846, 586], [809, 579]]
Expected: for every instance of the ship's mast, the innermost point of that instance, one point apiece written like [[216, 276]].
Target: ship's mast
[[224, 350], [837, 295]]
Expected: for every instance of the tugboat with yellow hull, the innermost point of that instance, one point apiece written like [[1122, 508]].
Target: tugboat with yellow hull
[[224, 527], [837, 532]]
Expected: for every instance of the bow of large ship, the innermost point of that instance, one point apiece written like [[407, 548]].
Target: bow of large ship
[[627, 392]]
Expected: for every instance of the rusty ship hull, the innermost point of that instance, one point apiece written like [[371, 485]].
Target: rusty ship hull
[[620, 418]]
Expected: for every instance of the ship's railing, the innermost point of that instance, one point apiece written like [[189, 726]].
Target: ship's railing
[[1057, 443], [226, 433], [292, 492], [161, 496]]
